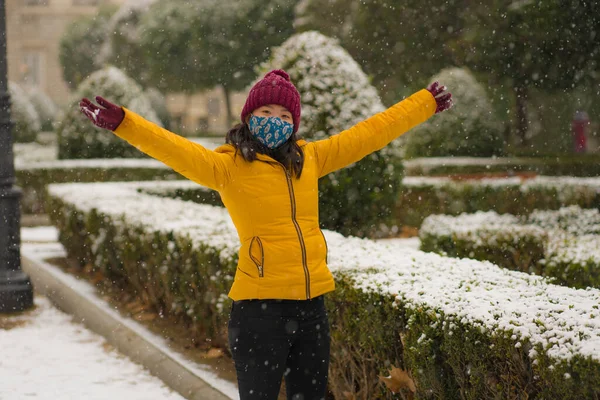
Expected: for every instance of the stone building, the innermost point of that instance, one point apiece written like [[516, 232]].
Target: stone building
[[34, 29]]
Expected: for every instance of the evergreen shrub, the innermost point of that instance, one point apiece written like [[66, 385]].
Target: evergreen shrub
[[459, 328], [560, 244], [335, 95], [470, 128], [23, 114], [79, 138]]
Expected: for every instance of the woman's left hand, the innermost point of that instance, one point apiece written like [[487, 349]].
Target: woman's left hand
[[443, 99]]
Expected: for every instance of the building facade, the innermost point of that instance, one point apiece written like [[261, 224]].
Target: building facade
[[34, 31]]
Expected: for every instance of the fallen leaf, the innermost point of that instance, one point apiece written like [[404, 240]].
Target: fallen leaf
[[214, 353], [399, 379], [349, 396], [145, 317]]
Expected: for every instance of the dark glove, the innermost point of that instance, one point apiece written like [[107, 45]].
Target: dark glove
[[443, 100], [108, 117]]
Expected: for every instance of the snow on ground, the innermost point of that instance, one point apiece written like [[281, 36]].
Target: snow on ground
[[48, 356], [39, 234], [40, 243]]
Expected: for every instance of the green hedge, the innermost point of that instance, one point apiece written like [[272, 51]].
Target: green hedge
[[541, 243], [421, 197], [430, 315], [575, 165], [33, 181]]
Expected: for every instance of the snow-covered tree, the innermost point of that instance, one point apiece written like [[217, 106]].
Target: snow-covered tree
[[80, 45], [122, 46], [78, 138], [23, 114], [470, 128], [191, 46], [44, 105], [335, 95]]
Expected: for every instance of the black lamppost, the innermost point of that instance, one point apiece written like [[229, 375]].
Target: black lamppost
[[16, 291]]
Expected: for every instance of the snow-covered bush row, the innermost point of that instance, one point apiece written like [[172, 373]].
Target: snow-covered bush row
[[458, 325], [336, 94], [578, 165], [23, 114], [79, 138], [570, 187], [470, 129], [37, 166], [423, 196], [562, 244]]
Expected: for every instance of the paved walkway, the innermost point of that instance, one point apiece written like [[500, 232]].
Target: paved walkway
[[44, 355]]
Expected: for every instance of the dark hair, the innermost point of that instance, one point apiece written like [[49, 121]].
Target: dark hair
[[289, 154]]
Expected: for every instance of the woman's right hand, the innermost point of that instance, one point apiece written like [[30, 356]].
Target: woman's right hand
[[109, 117]]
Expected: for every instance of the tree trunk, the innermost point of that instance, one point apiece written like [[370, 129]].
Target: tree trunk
[[522, 121], [227, 94]]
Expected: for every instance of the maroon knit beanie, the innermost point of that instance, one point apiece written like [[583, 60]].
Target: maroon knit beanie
[[274, 88]]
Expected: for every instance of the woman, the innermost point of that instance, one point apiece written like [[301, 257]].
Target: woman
[[267, 178]]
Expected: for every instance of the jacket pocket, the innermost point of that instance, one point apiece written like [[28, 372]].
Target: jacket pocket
[[326, 247], [257, 255]]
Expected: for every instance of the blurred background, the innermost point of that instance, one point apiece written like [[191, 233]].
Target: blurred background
[[536, 63]]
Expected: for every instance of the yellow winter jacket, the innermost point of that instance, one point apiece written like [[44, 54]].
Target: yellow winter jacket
[[283, 253]]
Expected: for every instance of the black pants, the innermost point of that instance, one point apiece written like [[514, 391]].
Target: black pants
[[274, 338]]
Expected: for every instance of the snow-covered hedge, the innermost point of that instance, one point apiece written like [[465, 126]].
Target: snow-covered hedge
[[565, 165], [79, 138], [560, 244], [36, 166], [336, 94], [424, 196], [23, 114], [469, 129], [458, 325]]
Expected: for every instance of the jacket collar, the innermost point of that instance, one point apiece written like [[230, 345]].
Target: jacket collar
[[262, 157]]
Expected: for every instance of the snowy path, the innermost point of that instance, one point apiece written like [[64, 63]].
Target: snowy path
[[47, 356]]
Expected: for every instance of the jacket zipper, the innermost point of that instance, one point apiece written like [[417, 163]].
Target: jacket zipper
[[300, 237], [260, 263]]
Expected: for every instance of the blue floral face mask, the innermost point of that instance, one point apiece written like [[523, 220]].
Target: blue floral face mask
[[270, 131]]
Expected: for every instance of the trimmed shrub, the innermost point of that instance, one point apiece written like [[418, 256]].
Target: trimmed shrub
[[336, 95], [23, 114], [461, 328], [468, 129], [574, 165], [79, 138], [562, 245], [34, 180], [424, 196], [44, 106]]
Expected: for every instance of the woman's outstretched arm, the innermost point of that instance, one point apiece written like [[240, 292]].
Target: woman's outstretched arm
[[378, 131], [192, 160]]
